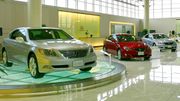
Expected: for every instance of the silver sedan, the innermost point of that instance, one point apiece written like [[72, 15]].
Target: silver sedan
[[47, 49], [161, 40]]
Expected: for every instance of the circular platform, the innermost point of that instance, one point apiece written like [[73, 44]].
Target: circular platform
[[19, 82]]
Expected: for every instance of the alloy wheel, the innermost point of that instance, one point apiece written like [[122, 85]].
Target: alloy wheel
[[4, 57], [33, 66]]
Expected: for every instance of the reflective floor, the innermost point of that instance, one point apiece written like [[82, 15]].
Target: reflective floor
[[154, 80], [16, 80]]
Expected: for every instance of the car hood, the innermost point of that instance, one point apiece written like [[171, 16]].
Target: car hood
[[60, 44], [133, 44]]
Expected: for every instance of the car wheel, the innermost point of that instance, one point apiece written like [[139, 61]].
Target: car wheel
[[119, 56], [147, 58], [5, 59], [173, 50], [33, 67], [86, 69], [104, 49], [154, 44]]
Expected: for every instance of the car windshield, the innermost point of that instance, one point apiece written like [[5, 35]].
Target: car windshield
[[43, 34], [160, 36], [126, 38]]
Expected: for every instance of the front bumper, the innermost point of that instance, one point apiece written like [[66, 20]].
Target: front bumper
[[49, 64], [135, 54], [163, 46]]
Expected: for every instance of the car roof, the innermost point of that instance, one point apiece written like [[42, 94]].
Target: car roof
[[121, 34], [37, 28], [155, 33]]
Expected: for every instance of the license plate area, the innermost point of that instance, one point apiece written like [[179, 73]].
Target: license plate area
[[78, 63], [140, 53]]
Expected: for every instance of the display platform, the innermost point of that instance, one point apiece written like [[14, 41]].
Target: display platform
[[18, 80]]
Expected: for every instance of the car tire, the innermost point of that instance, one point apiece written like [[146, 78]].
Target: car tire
[[173, 50], [119, 56], [147, 58], [5, 59], [104, 49], [86, 69], [33, 67], [154, 44]]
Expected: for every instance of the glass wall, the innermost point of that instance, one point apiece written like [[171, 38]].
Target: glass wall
[[122, 27], [127, 8], [164, 8], [80, 25]]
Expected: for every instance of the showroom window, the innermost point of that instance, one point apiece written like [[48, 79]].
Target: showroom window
[[164, 8], [122, 27], [62, 3], [90, 5], [50, 2], [22, 0], [97, 6], [115, 9], [81, 4], [72, 4], [127, 8], [175, 8]]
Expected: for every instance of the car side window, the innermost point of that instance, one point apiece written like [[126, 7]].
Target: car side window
[[110, 37], [63, 35], [115, 37], [150, 36], [17, 33], [147, 36]]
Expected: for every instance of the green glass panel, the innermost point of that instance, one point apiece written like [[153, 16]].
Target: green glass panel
[[79, 25]]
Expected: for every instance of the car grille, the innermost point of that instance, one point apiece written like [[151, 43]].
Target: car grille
[[168, 43], [74, 53], [140, 49]]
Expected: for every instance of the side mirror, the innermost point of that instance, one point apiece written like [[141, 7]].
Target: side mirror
[[19, 39]]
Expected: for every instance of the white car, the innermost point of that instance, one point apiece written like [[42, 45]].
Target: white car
[[161, 40]]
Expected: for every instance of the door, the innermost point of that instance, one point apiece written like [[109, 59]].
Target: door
[[18, 49], [112, 45]]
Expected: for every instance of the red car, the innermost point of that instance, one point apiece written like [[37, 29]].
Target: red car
[[126, 46]]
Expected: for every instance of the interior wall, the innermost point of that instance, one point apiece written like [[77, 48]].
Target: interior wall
[[163, 25], [14, 14], [105, 19]]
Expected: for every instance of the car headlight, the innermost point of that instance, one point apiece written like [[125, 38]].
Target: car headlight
[[48, 52], [127, 48]]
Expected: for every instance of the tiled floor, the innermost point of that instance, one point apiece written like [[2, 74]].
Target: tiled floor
[[154, 80]]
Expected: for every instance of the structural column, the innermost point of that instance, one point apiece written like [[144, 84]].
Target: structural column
[[34, 13], [146, 14]]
